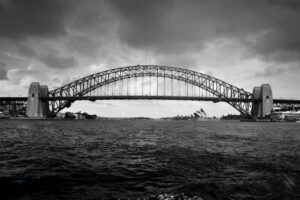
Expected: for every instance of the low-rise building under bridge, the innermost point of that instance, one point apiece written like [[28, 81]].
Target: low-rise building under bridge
[[148, 82]]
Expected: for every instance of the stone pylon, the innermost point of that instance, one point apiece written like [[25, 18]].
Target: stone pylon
[[36, 108], [264, 106]]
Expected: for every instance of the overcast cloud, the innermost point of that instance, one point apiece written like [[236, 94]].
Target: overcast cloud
[[243, 42]]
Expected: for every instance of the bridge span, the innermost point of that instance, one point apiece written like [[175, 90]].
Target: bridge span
[[148, 82], [23, 100], [140, 97]]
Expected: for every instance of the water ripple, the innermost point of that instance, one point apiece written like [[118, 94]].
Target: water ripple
[[144, 159]]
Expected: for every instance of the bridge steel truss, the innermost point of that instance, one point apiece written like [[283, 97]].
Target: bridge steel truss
[[212, 85]]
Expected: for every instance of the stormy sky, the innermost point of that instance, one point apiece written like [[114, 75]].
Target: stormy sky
[[243, 42]]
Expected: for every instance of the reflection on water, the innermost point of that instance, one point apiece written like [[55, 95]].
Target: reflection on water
[[138, 159]]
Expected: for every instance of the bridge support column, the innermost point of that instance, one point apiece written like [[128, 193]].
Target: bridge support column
[[36, 108], [264, 106]]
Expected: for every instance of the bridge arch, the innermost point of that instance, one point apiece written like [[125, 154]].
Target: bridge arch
[[215, 86]]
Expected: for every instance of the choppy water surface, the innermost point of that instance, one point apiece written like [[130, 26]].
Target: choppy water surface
[[140, 158]]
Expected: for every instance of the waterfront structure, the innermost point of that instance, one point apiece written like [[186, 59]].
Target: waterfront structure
[[35, 107], [163, 82], [263, 107], [280, 115]]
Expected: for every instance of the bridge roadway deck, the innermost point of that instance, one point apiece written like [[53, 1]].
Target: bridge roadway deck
[[152, 97], [13, 98], [12, 101], [144, 97]]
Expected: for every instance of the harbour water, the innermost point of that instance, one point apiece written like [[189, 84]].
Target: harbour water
[[111, 159]]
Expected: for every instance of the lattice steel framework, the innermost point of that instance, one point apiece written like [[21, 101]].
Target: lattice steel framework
[[216, 87]]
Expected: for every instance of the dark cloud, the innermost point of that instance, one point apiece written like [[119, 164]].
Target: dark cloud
[[27, 74], [279, 70], [280, 43], [3, 72], [25, 28], [23, 54], [84, 46], [15, 53], [172, 32], [289, 4], [21, 19], [269, 29], [271, 71], [149, 25], [54, 60]]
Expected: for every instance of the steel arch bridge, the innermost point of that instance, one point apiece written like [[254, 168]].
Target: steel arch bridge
[[80, 89]]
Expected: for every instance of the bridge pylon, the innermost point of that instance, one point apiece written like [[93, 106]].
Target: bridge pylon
[[263, 107], [36, 108]]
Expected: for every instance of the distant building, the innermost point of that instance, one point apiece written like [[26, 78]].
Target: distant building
[[78, 116], [60, 116], [13, 110]]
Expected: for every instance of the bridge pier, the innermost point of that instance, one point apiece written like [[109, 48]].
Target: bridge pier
[[264, 105], [37, 108]]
